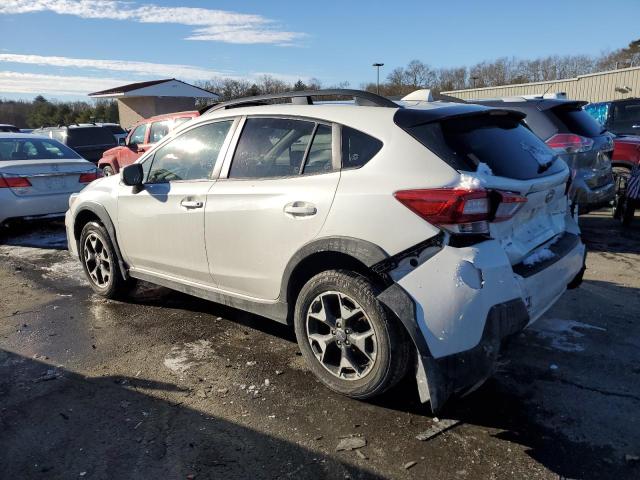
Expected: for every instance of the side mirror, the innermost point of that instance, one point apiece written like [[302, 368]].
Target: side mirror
[[132, 175]]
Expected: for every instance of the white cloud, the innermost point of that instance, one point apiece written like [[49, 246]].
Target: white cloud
[[186, 72], [211, 25], [38, 84]]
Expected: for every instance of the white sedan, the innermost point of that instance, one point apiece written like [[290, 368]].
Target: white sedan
[[37, 176]]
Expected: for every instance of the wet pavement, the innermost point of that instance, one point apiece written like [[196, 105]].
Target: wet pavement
[[168, 386]]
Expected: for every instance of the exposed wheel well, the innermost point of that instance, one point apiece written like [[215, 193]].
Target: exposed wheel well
[[84, 217], [320, 262]]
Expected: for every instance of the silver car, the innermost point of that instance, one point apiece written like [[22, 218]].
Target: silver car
[[37, 176]]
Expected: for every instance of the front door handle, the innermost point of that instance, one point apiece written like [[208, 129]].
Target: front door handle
[[191, 204], [300, 209]]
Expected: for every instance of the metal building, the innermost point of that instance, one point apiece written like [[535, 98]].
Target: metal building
[[594, 87]]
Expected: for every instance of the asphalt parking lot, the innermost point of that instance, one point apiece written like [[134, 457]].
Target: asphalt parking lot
[[168, 386]]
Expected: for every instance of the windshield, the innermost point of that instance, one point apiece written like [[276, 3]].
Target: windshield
[[34, 149]]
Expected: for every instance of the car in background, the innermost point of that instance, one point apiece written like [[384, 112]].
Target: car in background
[[393, 238], [118, 132], [5, 127], [622, 118], [90, 141], [37, 176], [574, 136], [141, 138]]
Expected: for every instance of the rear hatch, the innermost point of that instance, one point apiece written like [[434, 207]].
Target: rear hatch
[[41, 177], [525, 184], [91, 142], [582, 142]]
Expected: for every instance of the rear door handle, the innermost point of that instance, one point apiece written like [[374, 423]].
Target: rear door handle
[[191, 204], [300, 209]]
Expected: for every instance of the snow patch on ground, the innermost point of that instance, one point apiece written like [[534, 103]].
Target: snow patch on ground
[[191, 354], [55, 240], [54, 264], [563, 334], [539, 256]]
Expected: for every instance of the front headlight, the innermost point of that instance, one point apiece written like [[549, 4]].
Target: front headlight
[[72, 199]]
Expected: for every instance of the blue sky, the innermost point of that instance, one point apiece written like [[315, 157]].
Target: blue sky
[[66, 48]]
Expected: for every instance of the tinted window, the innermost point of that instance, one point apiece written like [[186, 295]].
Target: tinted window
[[501, 142], [9, 128], [319, 159], [271, 147], [81, 137], [138, 135], [34, 149], [576, 120], [158, 131], [599, 111], [358, 148], [190, 156]]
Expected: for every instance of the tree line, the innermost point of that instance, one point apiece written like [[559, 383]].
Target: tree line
[[41, 112]]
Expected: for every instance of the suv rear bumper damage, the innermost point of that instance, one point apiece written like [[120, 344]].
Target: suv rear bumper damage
[[460, 306]]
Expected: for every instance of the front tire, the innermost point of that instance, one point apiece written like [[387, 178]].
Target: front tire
[[350, 341], [100, 263], [107, 171]]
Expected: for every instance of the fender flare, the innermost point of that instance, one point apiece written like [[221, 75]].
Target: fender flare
[[101, 212], [365, 252]]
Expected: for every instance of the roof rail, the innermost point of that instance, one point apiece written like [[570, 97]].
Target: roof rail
[[305, 98]]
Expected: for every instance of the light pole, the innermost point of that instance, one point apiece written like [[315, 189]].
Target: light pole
[[474, 81], [378, 65]]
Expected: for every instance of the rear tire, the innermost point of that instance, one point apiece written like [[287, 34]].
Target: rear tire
[[107, 171], [100, 263], [350, 341]]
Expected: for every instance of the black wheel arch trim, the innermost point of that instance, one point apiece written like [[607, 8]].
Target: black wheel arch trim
[[101, 212]]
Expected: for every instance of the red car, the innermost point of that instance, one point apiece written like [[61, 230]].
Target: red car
[[626, 153], [142, 137]]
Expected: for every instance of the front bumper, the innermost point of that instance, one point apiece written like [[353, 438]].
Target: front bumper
[[463, 302]]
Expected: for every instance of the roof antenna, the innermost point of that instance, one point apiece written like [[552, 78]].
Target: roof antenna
[[547, 90]]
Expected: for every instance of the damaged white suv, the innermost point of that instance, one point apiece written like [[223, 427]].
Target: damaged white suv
[[393, 236]]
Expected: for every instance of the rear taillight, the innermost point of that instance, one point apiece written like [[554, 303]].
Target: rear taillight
[[569, 143], [459, 210], [14, 182], [509, 205], [89, 177], [454, 209]]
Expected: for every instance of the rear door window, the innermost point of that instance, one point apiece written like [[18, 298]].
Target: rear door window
[[271, 147], [501, 142], [320, 159]]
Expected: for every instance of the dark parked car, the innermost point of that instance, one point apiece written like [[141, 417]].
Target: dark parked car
[[621, 117], [577, 138], [90, 141]]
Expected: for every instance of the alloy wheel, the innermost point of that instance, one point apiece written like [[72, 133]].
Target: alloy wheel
[[341, 335], [97, 260]]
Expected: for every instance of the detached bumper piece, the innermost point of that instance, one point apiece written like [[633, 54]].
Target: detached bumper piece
[[465, 371]]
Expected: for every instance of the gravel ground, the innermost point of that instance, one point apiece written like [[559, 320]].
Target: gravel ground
[[168, 386]]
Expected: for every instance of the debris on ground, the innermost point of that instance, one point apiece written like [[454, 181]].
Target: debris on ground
[[351, 443], [361, 455], [409, 465], [439, 426]]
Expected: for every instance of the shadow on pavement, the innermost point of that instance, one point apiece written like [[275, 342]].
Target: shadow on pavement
[[122, 428], [48, 234], [601, 233]]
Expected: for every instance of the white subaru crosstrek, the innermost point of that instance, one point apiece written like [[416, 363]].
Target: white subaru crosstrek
[[393, 236]]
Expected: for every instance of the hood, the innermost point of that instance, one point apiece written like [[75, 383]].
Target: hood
[[114, 150]]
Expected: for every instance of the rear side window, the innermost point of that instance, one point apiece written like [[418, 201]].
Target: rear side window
[[501, 142], [358, 148], [81, 137], [271, 147], [576, 120]]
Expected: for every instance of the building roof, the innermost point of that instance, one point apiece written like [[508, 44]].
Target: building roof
[[168, 87]]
